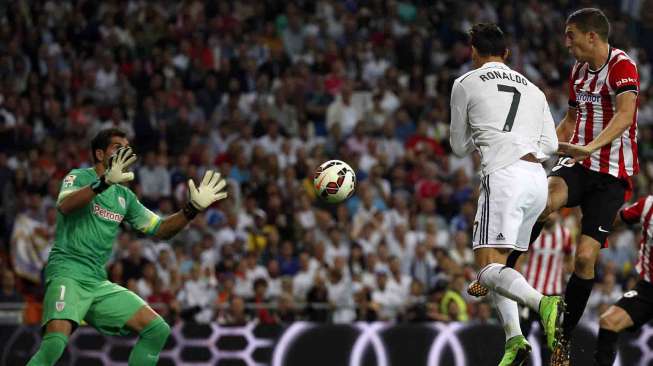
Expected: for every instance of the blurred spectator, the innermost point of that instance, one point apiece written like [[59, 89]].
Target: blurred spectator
[[274, 279], [145, 284], [225, 292], [116, 273], [423, 266], [154, 180], [305, 277], [9, 292], [433, 310], [341, 297], [260, 300], [342, 113], [317, 297], [484, 313], [415, 302], [163, 301], [284, 113], [134, 263], [387, 300], [285, 312], [605, 294], [235, 314], [462, 253], [365, 309], [453, 304], [288, 263], [195, 297], [398, 281]]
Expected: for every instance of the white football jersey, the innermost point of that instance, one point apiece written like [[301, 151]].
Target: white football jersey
[[500, 113]]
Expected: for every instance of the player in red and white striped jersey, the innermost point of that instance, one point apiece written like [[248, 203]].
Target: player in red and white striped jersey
[[635, 308], [598, 151], [547, 255], [594, 95], [642, 212]]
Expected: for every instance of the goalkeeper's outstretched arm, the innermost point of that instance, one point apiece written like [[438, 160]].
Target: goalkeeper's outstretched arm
[[171, 225], [210, 190]]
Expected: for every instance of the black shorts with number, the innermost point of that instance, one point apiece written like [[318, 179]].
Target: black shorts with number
[[638, 303], [599, 196]]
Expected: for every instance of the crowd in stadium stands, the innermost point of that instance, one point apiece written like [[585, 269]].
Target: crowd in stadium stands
[[265, 91]]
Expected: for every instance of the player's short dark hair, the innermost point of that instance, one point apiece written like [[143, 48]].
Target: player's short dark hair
[[102, 140], [591, 20], [488, 39]]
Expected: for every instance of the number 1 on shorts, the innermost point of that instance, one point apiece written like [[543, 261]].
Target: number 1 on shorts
[[62, 293]]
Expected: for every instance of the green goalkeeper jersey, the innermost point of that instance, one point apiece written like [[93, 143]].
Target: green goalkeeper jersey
[[84, 238]]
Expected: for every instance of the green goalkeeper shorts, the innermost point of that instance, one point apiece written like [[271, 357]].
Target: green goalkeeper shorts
[[102, 304]]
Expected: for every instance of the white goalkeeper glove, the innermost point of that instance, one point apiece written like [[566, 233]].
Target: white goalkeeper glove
[[211, 189], [122, 159], [115, 173]]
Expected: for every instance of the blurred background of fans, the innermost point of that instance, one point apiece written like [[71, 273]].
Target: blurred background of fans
[[265, 91]]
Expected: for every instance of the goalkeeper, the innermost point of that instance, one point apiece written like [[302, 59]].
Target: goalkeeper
[[91, 205]]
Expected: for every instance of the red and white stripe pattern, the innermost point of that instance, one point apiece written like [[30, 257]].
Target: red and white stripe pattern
[[594, 94], [642, 212], [546, 259]]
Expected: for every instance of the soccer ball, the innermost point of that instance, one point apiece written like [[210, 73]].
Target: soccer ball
[[334, 181]]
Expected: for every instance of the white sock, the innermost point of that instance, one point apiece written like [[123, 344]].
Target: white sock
[[511, 284], [508, 313]]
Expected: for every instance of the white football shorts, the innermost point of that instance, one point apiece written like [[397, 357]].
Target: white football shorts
[[511, 199]]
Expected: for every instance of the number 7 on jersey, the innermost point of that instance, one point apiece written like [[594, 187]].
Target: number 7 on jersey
[[516, 96]]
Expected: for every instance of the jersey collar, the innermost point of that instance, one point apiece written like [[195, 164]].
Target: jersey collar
[[494, 64], [605, 63]]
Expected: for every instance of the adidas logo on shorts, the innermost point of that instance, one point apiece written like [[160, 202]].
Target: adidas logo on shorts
[[500, 237]]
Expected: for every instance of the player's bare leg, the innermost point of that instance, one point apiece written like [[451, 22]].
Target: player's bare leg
[[612, 322], [54, 343], [152, 331]]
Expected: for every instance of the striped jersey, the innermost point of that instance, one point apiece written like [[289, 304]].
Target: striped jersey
[[641, 212], [546, 258], [594, 95]]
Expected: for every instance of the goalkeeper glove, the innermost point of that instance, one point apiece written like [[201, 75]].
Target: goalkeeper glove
[[209, 191], [115, 172]]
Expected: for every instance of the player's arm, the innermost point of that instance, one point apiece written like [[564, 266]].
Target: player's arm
[[620, 122], [72, 200], [566, 127], [632, 214], [548, 143], [76, 192], [171, 225], [624, 81], [459, 135], [210, 190]]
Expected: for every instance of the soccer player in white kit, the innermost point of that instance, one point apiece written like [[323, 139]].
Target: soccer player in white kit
[[502, 115]]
